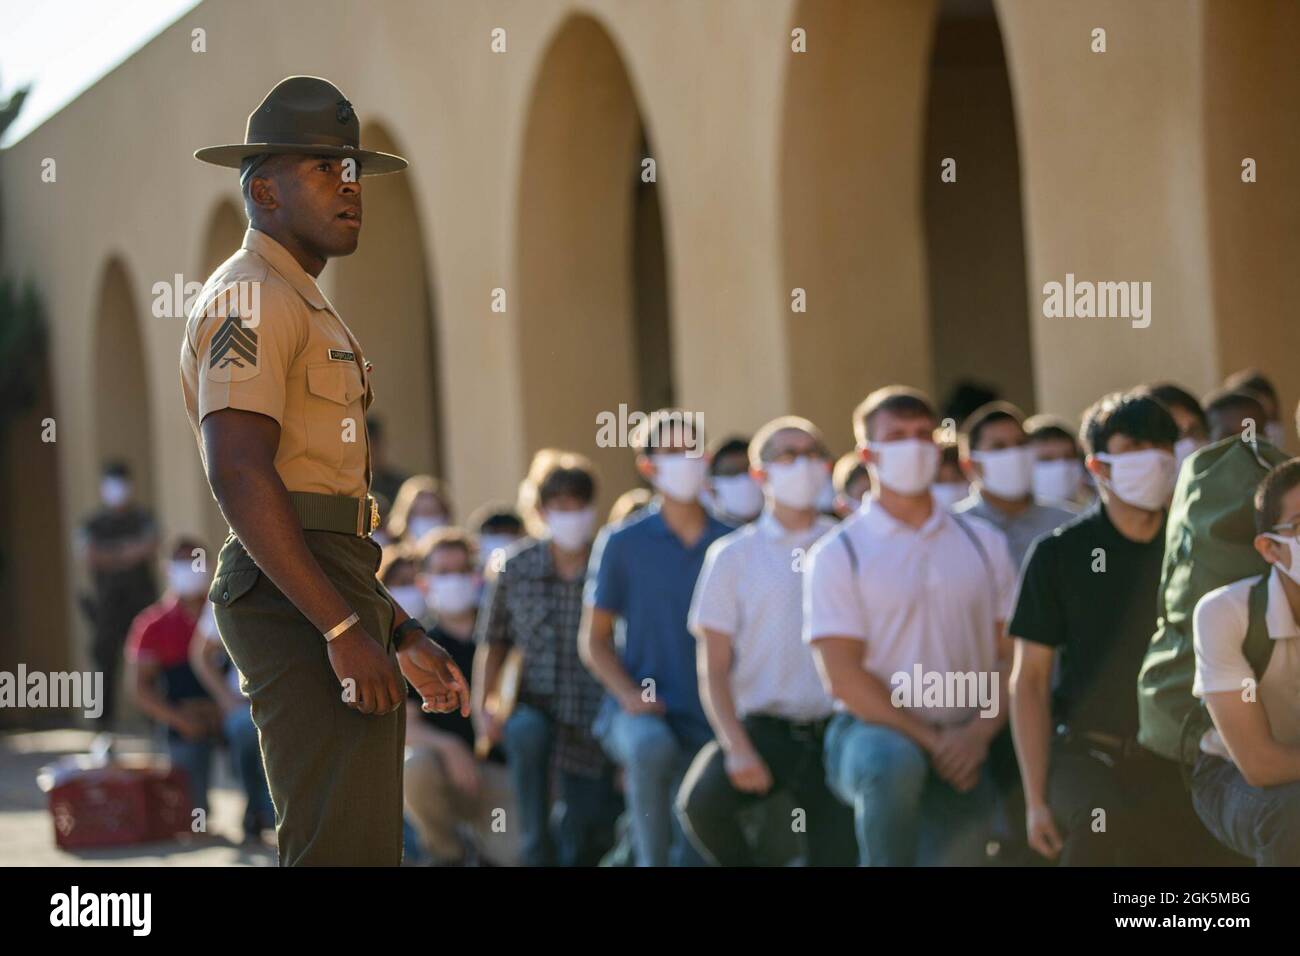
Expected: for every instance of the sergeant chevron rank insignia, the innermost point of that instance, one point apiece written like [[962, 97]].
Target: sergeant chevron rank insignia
[[232, 356]]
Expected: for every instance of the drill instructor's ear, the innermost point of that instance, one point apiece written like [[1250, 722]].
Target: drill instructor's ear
[[1268, 549]]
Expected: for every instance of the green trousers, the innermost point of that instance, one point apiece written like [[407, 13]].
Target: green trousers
[[335, 774]]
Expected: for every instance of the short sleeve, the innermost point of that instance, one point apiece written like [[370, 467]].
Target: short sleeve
[[494, 618], [246, 365], [1038, 615], [1004, 575], [143, 640], [606, 576], [1218, 632], [832, 603], [715, 603]]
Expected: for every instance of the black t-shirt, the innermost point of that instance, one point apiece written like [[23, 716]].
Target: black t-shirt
[[462, 652], [1100, 620], [109, 527]]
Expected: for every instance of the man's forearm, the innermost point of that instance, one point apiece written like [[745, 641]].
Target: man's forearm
[[720, 709], [257, 505], [1031, 727], [867, 698], [602, 660]]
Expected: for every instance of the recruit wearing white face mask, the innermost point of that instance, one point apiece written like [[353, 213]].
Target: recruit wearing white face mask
[[571, 530], [737, 496], [1057, 479], [1007, 473], [184, 581], [1144, 479], [906, 467], [798, 484], [679, 476]]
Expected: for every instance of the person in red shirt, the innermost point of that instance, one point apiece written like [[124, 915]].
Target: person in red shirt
[[162, 682]]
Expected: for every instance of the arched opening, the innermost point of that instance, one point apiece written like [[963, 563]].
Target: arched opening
[[974, 234], [592, 272], [384, 293], [123, 424], [851, 227], [222, 239]]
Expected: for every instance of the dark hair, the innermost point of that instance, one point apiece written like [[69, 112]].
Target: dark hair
[[116, 469], [849, 469], [567, 480], [446, 537], [187, 543], [647, 436], [1045, 427], [894, 399], [732, 445], [1227, 400], [1174, 397], [1269, 494], [1252, 380], [966, 398], [1137, 415], [986, 414], [496, 520]]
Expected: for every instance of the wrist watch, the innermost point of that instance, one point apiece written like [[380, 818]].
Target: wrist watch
[[400, 632]]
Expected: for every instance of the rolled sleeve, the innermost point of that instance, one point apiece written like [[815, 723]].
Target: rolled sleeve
[[832, 605], [715, 604], [1218, 632]]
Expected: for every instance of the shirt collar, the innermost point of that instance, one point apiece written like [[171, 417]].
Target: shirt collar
[[283, 262], [1278, 618], [879, 521]]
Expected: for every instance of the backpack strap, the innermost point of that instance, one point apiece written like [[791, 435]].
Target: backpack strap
[[1258, 646], [979, 547]]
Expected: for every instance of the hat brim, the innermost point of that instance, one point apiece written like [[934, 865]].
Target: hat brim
[[372, 163]]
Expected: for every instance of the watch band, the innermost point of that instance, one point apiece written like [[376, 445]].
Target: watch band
[[341, 626], [410, 624]]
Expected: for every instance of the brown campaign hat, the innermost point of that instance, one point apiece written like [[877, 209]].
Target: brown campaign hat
[[303, 114]]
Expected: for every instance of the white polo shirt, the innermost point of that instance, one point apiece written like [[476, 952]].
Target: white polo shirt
[[1219, 630], [751, 589], [919, 596]]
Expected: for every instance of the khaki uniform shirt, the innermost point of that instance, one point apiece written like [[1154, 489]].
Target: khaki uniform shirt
[[289, 357]]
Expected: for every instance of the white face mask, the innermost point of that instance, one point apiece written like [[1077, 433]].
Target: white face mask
[[1008, 472], [114, 491], [799, 484], [1144, 479], [906, 467], [737, 496], [1057, 479], [417, 526], [184, 581], [1275, 434], [571, 530], [409, 597], [1183, 449], [490, 544], [679, 477], [948, 493], [452, 593], [1289, 569]]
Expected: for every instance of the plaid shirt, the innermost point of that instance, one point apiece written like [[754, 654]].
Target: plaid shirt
[[529, 605]]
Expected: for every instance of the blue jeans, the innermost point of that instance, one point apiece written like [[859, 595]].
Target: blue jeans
[[904, 814], [195, 758], [571, 834], [246, 757], [655, 754], [1262, 823]]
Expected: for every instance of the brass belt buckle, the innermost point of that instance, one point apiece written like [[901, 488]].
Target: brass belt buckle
[[374, 514]]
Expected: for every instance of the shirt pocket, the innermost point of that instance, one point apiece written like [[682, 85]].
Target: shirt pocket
[[335, 429]]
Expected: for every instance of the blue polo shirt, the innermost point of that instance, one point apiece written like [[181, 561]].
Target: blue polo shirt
[[643, 573]]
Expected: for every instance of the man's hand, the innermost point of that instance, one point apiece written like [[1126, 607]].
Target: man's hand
[[960, 753], [1040, 828], [634, 703], [355, 655], [435, 677], [747, 771]]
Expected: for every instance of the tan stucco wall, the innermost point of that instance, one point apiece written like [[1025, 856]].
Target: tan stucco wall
[[773, 172]]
